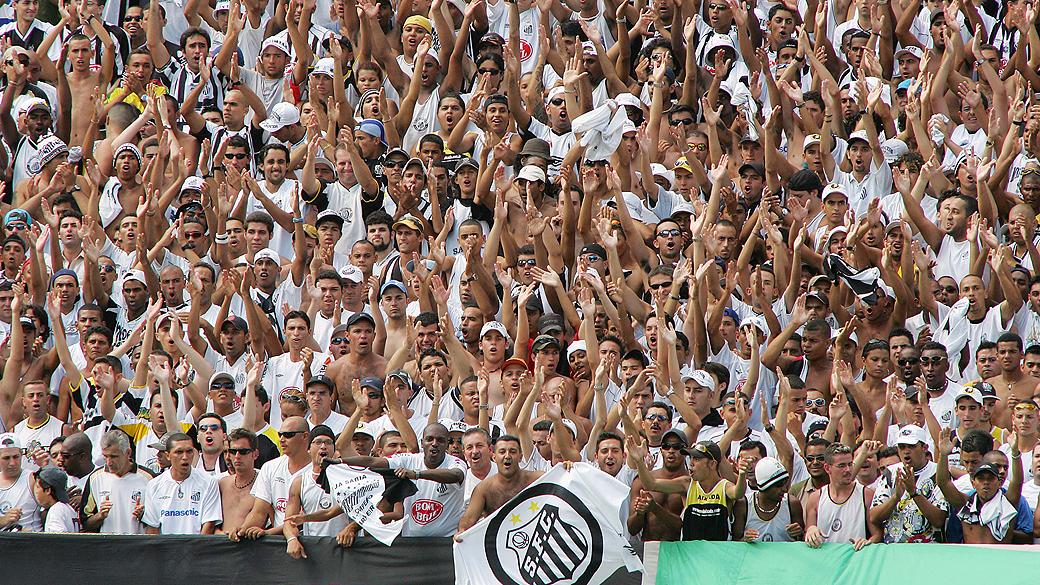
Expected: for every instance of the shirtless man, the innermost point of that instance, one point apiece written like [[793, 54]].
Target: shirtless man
[[235, 498], [1012, 381], [659, 516], [986, 485], [494, 339], [361, 362], [498, 489], [393, 300], [83, 81]]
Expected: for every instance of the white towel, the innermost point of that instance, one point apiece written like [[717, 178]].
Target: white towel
[[997, 514], [601, 130]]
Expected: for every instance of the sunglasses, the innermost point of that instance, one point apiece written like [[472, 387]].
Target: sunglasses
[[702, 449], [238, 156], [903, 362], [681, 122], [289, 434], [1026, 171], [660, 285], [212, 427], [934, 361], [393, 164], [222, 386], [338, 340], [528, 262], [557, 102], [107, 268], [948, 289], [730, 402], [595, 163], [592, 257], [698, 147], [488, 71], [815, 401], [1026, 406], [672, 446], [240, 451], [133, 18], [17, 227], [674, 232], [657, 417], [814, 458]]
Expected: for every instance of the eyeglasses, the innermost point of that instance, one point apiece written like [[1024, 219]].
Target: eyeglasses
[[681, 122], [814, 458], [133, 18], [672, 446], [240, 451], [212, 427], [338, 340], [933, 361], [488, 71], [236, 155], [289, 434], [674, 233], [393, 164], [903, 362], [528, 262], [660, 285], [657, 417], [815, 401], [222, 386]]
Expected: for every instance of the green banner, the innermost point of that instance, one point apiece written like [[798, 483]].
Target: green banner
[[779, 563]]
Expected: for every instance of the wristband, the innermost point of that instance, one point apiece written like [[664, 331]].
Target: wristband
[[220, 239], [297, 220], [291, 538]]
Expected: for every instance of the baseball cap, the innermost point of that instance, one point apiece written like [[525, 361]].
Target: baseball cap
[[912, 435], [329, 215], [409, 222], [16, 215], [454, 426], [321, 431], [594, 248], [491, 38], [276, 42], [682, 164], [267, 254], [535, 147], [514, 361], [467, 162], [904, 85], [392, 284], [10, 441], [659, 170], [193, 183], [756, 168], [578, 345], [859, 135], [969, 392], [543, 341], [912, 51], [570, 427], [699, 377], [990, 468], [360, 316], [134, 275], [218, 375], [373, 127], [832, 189], [550, 322], [494, 326], [894, 148], [351, 273], [818, 296], [705, 450], [323, 380], [816, 279], [236, 321], [283, 114], [811, 140], [769, 472], [56, 479], [678, 435], [325, 66], [986, 390], [403, 376], [363, 429], [531, 173], [372, 382], [805, 180], [31, 104]]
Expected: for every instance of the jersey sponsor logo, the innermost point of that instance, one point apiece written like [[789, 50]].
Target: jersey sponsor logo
[[546, 536], [426, 511], [178, 513], [280, 505], [836, 525], [526, 50]]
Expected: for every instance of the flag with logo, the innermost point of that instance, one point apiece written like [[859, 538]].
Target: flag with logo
[[563, 529], [359, 490]]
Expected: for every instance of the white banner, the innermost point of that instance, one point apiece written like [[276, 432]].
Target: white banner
[[563, 529], [358, 491]]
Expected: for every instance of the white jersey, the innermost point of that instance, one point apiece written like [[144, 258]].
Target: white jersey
[[335, 421], [284, 375], [314, 499], [437, 507], [281, 240], [61, 518], [472, 481], [774, 529], [424, 120], [182, 507], [845, 522], [20, 495], [124, 493], [272, 485], [33, 437]]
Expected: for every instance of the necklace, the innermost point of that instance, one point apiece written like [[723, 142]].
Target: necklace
[[242, 487], [763, 510]]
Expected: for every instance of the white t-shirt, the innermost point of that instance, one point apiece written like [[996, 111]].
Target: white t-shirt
[[20, 495], [282, 375], [124, 493], [272, 485], [437, 507], [182, 507], [61, 518], [335, 421]]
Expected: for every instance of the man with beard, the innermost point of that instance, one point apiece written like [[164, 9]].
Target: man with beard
[[275, 194], [500, 487], [362, 361], [438, 506]]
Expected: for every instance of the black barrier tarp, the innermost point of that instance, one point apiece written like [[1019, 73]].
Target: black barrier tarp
[[214, 560]]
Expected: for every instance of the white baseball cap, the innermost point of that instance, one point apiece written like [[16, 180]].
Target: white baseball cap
[[283, 114], [770, 472]]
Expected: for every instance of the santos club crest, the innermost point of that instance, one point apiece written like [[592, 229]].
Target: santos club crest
[[545, 536]]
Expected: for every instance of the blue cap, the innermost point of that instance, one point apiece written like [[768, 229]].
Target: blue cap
[[728, 312], [372, 382], [373, 127], [18, 215], [904, 85], [392, 284], [64, 272]]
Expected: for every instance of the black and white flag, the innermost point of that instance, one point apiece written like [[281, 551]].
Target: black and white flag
[[359, 491], [564, 528]]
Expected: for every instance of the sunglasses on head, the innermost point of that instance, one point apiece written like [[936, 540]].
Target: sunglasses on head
[[701, 448], [289, 434], [903, 362], [240, 450], [1026, 406], [210, 427]]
